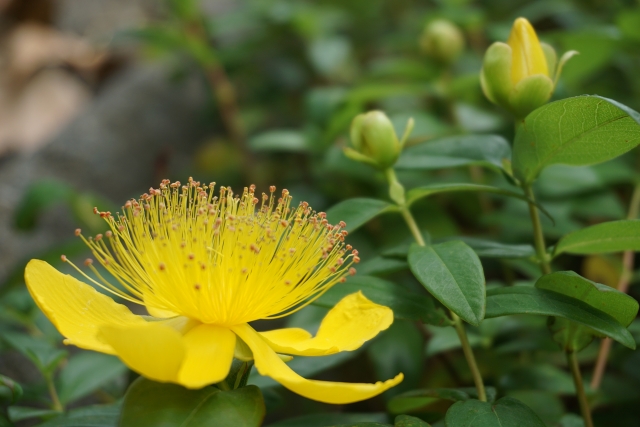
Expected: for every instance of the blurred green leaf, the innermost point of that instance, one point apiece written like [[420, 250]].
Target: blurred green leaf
[[453, 274], [416, 399], [526, 300], [616, 304], [579, 131], [405, 304], [506, 412], [10, 390], [613, 236], [88, 416], [43, 354], [85, 373], [152, 404], [408, 421], [546, 405], [19, 413], [416, 194], [486, 150], [357, 212], [381, 265], [489, 249], [329, 419], [283, 140]]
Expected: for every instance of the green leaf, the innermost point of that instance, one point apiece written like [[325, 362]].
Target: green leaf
[[613, 236], [616, 304], [408, 421], [44, 355], [151, 404], [85, 373], [442, 153], [578, 131], [418, 193], [525, 300], [88, 416], [10, 391], [506, 412], [19, 413], [453, 274], [332, 419], [356, 212], [291, 141], [417, 399], [382, 265], [490, 249], [405, 304]]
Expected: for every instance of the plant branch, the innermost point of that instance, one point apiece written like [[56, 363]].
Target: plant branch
[[468, 354], [397, 193], [538, 235], [623, 286], [572, 359], [56, 405]]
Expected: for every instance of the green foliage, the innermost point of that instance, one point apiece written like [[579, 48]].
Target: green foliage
[[525, 300], [453, 274], [579, 131], [614, 236], [151, 404], [506, 412]]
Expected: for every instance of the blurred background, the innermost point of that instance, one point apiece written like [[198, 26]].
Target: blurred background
[[101, 99]]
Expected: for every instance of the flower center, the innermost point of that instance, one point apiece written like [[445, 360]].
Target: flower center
[[180, 250]]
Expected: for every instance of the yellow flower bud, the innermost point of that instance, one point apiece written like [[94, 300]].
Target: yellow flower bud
[[521, 75], [526, 52]]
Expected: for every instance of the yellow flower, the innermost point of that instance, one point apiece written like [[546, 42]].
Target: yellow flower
[[526, 52], [204, 267], [521, 75]]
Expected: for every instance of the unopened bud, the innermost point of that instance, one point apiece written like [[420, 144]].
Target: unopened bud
[[374, 140], [521, 75], [442, 40]]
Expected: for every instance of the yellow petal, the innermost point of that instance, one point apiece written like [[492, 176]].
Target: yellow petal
[[268, 363], [209, 352], [352, 322], [75, 308], [528, 55], [153, 350]]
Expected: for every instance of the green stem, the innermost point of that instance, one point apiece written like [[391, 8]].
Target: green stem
[[572, 359], [222, 385], [538, 236], [462, 334], [468, 354], [413, 227], [56, 404]]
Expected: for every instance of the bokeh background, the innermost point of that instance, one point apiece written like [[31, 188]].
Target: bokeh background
[[101, 99]]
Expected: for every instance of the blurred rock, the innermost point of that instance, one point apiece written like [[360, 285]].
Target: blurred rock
[[140, 128], [100, 20]]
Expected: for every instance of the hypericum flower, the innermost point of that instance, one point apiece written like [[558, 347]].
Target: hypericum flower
[[204, 267], [521, 75]]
